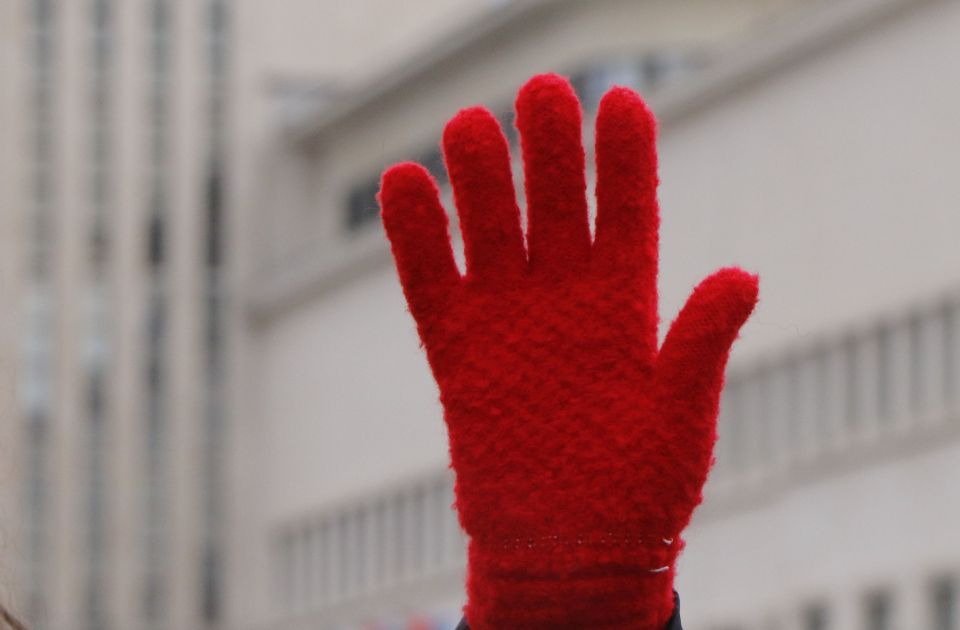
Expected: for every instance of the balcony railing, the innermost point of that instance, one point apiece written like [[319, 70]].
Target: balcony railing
[[404, 536], [893, 383]]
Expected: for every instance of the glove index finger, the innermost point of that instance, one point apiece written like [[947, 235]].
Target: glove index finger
[[417, 227]]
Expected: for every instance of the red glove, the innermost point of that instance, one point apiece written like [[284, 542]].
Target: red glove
[[580, 450]]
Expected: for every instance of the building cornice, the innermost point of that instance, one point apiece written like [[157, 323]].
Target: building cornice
[[800, 37], [458, 42]]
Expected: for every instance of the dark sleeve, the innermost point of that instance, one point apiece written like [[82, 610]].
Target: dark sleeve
[[673, 624]]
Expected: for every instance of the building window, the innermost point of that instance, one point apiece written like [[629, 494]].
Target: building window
[[644, 73], [155, 461], [215, 255], [326, 554], [362, 204], [945, 608], [432, 160], [733, 426], [347, 535], [37, 497], [507, 118], [591, 83], [286, 571], [791, 405], [362, 549], [852, 384], [381, 524], [662, 68], [98, 333], [438, 515], [760, 417], [884, 370], [878, 611], [915, 364], [38, 389], [815, 617], [417, 545], [950, 351]]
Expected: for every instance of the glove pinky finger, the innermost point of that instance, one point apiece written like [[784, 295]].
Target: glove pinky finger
[[417, 227]]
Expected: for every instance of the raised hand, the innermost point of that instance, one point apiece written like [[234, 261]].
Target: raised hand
[[580, 449]]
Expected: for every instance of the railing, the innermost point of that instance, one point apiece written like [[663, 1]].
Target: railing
[[841, 395], [894, 380], [375, 545]]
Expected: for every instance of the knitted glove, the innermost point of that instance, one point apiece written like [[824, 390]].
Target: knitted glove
[[580, 449]]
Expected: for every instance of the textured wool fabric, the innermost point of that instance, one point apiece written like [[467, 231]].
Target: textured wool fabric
[[580, 448]]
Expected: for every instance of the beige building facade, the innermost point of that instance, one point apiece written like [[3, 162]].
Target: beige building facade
[[215, 410], [115, 331], [129, 133], [811, 142]]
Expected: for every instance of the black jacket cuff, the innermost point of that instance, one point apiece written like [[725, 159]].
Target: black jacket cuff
[[673, 624]]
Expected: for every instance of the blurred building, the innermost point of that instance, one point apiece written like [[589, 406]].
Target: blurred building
[[220, 414], [127, 132], [816, 143], [812, 142], [114, 165]]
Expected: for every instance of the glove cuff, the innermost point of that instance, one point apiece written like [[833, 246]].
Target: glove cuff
[[551, 583]]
